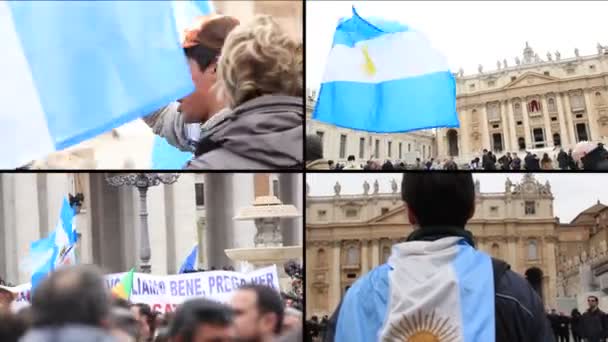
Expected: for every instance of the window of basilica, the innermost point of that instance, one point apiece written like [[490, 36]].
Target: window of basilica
[[551, 105], [530, 208], [532, 250]]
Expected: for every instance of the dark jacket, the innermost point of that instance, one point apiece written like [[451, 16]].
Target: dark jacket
[[263, 133], [505, 162], [596, 160], [68, 333], [593, 325], [564, 325], [488, 162], [562, 160], [516, 163], [575, 324], [519, 312]]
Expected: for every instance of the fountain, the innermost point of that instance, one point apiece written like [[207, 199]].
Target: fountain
[[266, 212]]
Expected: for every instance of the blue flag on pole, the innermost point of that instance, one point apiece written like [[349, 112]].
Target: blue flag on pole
[[383, 76], [56, 249], [190, 261], [72, 70]]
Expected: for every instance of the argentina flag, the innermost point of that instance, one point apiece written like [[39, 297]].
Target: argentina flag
[[440, 290], [55, 250], [72, 70], [383, 76]]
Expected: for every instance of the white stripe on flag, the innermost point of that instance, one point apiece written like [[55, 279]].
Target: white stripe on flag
[[26, 137], [396, 56]]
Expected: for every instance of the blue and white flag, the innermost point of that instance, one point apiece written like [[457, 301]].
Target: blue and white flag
[[190, 261], [439, 290], [167, 157], [71, 70], [55, 250], [65, 236], [187, 11], [382, 76]]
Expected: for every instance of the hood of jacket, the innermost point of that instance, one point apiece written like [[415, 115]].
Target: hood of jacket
[[68, 333], [267, 129]]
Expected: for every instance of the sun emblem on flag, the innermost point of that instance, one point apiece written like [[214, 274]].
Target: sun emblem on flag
[[368, 65], [422, 328]]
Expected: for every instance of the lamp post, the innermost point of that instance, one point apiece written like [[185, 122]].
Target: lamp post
[[143, 181]]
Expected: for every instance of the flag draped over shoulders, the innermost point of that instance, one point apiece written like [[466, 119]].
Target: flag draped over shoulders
[[439, 290], [383, 76]]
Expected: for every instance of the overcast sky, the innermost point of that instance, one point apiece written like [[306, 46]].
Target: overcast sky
[[469, 33], [573, 192]]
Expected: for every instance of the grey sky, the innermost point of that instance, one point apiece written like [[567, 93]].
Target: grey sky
[[469, 33], [573, 192]]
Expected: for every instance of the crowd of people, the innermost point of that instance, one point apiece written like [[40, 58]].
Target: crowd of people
[[590, 326], [585, 156], [73, 305]]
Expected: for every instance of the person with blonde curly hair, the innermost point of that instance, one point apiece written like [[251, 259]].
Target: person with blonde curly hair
[[260, 77]]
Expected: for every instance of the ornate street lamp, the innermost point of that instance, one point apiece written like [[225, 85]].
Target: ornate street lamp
[[142, 181]]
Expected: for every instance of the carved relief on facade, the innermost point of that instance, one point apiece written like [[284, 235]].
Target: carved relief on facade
[[321, 258], [351, 254]]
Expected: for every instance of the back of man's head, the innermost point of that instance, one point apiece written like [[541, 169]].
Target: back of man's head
[[439, 199], [75, 295], [314, 147], [268, 301], [196, 312]]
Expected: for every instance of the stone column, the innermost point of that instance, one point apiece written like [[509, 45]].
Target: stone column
[[375, 253], [218, 194], [569, 119], [526, 119], [52, 189], [545, 111], [334, 278], [505, 126], [82, 221], [514, 147], [485, 131], [157, 228], [224, 195], [364, 257], [181, 220], [512, 250], [563, 131], [20, 222], [290, 187], [593, 126]]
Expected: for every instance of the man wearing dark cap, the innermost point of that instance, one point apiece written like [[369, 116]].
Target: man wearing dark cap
[[202, 320], [181, 124]]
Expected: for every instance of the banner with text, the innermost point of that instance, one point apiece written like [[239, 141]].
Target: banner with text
[[165, 293]]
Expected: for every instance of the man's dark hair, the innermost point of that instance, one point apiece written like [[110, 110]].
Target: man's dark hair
[[351, 158], [439, 198], [210, 38], [314, 147], [120, 303], [268, 301], [71, 295], [195, 312], [146, 311], [594, 297]]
